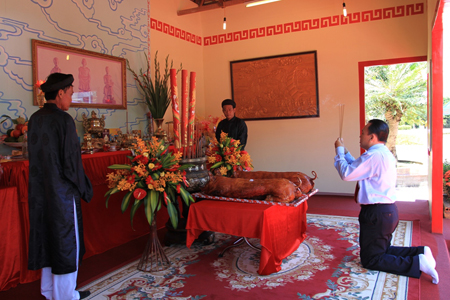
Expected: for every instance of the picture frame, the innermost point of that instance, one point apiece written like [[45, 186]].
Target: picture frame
[[276, 87], [100, 79]]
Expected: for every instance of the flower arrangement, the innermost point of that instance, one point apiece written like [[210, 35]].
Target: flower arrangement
[[157, 92], [208, 126], [225, 156], [154, 176]]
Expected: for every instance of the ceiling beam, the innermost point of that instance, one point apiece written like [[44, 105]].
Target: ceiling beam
[[210, 7]]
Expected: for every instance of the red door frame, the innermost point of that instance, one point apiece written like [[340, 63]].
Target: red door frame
[[435, 119]]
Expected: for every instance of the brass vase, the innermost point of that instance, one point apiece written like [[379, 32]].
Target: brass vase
[[153, 259], [160, 133]]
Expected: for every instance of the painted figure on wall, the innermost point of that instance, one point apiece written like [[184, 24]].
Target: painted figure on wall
[[84, 79], [56, 68], [108, 88]]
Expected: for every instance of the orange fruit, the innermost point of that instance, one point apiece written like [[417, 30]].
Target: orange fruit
[[16, 133]]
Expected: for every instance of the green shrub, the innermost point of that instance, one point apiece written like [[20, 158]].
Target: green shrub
[[404, 127], [446, 166]]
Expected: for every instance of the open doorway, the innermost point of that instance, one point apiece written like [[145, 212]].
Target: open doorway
[[408, 135], [397, 93]]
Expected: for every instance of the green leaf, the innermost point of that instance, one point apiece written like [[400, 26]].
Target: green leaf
[[159, 206], [109, 193], [120, 167], [187, 197], [141, 184], [173, 214], [154, 197], [218, 164], [126, 201], [134, 208], [148, 209]]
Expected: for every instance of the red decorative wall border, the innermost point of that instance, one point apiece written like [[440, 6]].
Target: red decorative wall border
[[324, 22], [175, 32], [296, 26]]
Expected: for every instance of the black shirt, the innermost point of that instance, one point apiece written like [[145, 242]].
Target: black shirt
[[236, 129]]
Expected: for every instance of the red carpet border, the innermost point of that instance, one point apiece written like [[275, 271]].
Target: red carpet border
[[326, 266]]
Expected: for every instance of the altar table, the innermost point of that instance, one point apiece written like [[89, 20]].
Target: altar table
[[104, 228], [281, 228]]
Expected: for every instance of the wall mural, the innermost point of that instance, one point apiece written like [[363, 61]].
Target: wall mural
[[109, 27]]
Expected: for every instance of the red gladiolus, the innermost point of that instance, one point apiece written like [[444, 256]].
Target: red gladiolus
[[139, 193], [218, 158], [178, 188], [243, 152]]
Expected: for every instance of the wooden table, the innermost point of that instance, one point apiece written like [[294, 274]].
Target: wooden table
[[281, 228]]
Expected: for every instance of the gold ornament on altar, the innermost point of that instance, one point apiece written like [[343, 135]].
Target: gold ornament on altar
[[94, 125], [40, 94]]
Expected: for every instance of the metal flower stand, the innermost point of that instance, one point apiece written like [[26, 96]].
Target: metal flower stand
[[153, 259]]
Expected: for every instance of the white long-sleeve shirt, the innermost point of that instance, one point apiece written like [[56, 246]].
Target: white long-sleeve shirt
[[375, 170]]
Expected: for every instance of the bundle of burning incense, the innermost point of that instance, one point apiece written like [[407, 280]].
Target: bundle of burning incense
[[341, 118]]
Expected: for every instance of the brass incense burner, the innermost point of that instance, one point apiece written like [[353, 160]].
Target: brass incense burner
[[93, 125]]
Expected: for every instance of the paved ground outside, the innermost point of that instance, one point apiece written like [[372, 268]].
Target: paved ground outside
[[412, 168]]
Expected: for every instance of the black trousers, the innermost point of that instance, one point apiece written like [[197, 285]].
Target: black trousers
[[377, 223]]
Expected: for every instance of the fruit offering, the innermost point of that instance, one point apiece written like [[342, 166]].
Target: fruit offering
[[15, 134]]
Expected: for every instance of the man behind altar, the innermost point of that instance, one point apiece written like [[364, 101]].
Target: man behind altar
[[232, 125], [57, 183], [376, 174]]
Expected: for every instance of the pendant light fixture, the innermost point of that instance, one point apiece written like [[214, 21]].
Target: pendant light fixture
[[224, 19], [344, 10], [258, 2]]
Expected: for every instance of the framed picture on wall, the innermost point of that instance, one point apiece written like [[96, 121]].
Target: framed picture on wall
[[100, 79], [276, 87]]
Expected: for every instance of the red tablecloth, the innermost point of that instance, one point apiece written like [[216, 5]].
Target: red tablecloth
[[104, 228], [281, 228]]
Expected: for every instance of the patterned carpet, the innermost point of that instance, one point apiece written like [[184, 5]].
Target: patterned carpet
[[325, 266]]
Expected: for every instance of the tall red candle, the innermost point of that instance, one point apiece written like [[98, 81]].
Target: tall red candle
[[192, 94], [175, 107], [184, 107]]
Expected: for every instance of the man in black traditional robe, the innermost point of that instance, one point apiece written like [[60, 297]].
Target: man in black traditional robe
[[57, 183], [235, 127]]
